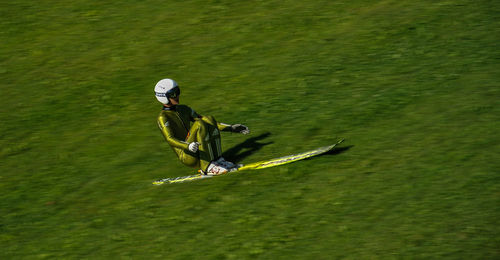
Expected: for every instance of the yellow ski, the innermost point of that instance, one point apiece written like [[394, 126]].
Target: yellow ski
[[257, 165]]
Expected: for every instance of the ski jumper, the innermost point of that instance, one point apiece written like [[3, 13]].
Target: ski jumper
[[175, 125]]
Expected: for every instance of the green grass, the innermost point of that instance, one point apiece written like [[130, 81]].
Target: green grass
[[412, 86]]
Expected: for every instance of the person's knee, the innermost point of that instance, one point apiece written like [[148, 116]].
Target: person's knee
[[199, 124], [209, 119]]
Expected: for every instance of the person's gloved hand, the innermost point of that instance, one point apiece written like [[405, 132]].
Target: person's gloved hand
[[239, 128], [193, 147]]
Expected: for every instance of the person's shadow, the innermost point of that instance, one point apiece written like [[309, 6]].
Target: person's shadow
[[250, 146], [247, 148]]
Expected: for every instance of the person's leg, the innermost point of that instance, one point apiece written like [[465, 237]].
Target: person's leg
[[215, 140], [205, 132], [189, 159]]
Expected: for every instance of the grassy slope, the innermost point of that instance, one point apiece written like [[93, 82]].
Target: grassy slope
[[412, 86]]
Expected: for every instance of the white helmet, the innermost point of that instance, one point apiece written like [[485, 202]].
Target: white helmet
[[166, 88]]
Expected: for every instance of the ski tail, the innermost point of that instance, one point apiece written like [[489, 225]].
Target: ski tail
[[180, 179]]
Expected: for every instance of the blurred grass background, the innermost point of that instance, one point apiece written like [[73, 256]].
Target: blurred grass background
[[412, 85]]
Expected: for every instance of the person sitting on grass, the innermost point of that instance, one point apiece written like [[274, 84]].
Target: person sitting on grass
[[194, 138]]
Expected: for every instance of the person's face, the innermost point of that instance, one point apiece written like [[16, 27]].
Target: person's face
[[174, 101], [173, 95]]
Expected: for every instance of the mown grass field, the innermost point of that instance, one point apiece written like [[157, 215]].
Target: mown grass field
[[412, 85]]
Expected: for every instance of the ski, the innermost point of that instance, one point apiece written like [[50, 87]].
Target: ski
[[255, 166]]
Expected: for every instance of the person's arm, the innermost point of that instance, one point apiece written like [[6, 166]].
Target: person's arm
[[169, 135], [224, 127], [236, 128]]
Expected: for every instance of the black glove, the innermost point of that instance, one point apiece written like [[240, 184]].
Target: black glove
[[239, 128]]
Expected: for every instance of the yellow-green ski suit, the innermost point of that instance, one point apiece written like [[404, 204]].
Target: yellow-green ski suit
[[181, 125]]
